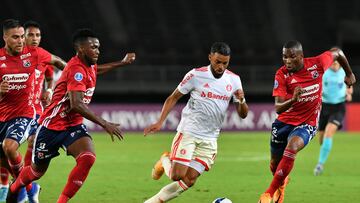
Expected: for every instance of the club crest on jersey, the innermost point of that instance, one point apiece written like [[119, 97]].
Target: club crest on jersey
[[276, 84], [78, 76], [314, 74], [26, 63], [228, 88]]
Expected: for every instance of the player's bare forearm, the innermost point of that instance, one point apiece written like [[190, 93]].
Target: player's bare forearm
[[77, 105], [128, 59], [242, 109], [57, 62], [339, 56], [169, 104], [282, 105], [50, 82]]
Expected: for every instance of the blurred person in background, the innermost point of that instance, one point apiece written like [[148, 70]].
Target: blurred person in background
[[335, 94]]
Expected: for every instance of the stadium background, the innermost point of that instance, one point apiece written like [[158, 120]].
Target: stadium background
[[170, 38]]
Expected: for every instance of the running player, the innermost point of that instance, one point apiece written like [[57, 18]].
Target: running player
[[194, 147], [335, 94], [297, 92], [61, 123], [17, 76]]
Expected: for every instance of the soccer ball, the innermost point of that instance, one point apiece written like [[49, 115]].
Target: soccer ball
[[222, 200]]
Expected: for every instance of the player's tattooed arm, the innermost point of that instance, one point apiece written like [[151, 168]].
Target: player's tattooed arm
[[282, 105], [128, 59], [57, 62], [77, 105]]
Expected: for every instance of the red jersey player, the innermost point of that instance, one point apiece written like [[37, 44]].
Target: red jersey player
[[17, 74], [297, 92], [61, 123]]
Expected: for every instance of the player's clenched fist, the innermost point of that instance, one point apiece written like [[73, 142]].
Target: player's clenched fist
[[4, 87], [129, 58]]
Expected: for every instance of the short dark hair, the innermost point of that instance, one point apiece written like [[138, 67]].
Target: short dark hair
[[31, 23], [293, 44], [10, 23], [82, 35], [221, 48]]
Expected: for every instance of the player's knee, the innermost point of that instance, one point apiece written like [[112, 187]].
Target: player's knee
[[86, 159], [9, 149], [189, 181], [175, 177]]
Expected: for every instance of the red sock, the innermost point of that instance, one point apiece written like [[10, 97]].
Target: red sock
[[28, 155], [77, 176], [4, 173], [16, 165], [63, 199], [283, 170], [27, 175]]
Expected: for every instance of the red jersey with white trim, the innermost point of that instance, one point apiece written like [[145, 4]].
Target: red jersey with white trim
[[19, 71], [41, 72], [76, 76], [307, 108]]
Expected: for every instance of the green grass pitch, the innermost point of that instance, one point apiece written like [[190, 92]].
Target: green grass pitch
[[241, 172]]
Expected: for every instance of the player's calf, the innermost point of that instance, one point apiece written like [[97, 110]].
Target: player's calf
[[77, 176]]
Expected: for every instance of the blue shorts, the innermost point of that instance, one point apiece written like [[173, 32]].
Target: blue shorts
[[34, 125], [281, 132], [16, 129], [47, 142]]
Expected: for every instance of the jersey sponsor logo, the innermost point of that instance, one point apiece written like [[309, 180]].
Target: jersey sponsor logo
[[206, 85], [212, 95], [78, 76], [314, 74], [16, 87], [312, 68], [276, 84], [228, 88], [2, 58], [19, 77], [187, 79], [3, 65], [26, 63], [89, 92], [306, 99], [310, 89], [25, 56]]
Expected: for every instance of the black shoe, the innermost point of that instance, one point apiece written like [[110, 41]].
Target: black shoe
[[11, 196]]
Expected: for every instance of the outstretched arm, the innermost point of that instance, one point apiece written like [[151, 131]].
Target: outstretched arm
[[282, 105], [57, 62], [77, 105], [128, 59], [241, 107], [168, 105], [339, 55]]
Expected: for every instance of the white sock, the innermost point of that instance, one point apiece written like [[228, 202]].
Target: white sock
[[168, 192], [166, 164]]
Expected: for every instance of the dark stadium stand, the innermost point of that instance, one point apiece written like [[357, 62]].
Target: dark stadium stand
[[171, 37]]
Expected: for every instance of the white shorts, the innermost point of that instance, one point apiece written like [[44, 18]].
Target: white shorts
[[193, 152]]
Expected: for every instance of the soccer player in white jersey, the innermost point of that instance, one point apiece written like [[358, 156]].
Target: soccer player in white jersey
[[194, 147]]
